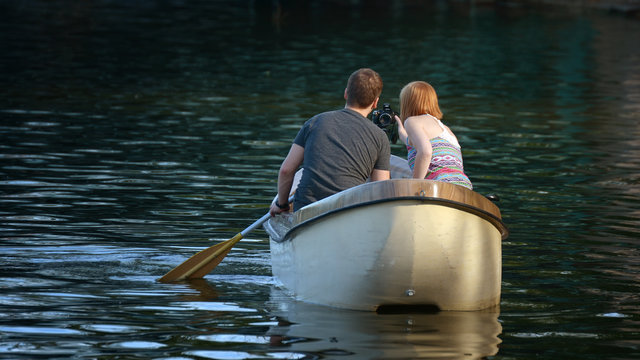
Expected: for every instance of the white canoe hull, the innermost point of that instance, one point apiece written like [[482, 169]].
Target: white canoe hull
[[398, 251]]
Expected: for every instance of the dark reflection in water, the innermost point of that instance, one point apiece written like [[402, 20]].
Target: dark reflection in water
[[306, 328], [133, 134]]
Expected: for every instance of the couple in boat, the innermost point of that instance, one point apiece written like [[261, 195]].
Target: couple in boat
[[341, 149]]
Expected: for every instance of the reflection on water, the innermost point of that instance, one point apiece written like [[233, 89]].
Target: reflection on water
[[134, 134], [307, 328]]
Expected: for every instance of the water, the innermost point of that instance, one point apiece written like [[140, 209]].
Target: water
[[133, 134]]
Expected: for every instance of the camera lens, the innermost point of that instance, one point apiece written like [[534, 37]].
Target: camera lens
[[385, 119]]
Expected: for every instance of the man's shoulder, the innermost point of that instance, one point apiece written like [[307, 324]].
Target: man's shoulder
[[345, 120], [331, 114]]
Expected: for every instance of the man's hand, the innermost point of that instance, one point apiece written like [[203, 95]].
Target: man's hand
[[275, 209]]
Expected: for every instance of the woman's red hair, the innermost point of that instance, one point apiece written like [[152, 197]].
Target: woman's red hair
[[419, 98]]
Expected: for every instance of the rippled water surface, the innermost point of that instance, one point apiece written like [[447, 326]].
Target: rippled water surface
[[133, 134]]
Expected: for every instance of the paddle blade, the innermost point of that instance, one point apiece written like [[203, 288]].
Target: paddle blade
[[201, 263], [206, 268], [206, 260]]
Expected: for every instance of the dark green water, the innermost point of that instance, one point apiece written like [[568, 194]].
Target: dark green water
[[134, 133]]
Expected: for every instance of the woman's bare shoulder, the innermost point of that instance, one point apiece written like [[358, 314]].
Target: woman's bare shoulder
[[417, 120]]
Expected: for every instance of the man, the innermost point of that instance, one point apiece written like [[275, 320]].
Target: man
[[337, 149]]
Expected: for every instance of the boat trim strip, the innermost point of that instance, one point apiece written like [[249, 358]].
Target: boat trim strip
[[494, 220]]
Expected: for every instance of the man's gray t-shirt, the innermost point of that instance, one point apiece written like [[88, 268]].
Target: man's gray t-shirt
[[341, 149]]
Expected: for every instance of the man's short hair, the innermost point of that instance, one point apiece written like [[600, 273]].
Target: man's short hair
[[363, 88]]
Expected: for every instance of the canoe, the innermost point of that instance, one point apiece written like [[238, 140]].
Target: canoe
[[394, 243]]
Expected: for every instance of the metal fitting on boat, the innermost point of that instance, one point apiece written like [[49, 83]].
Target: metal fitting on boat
[[410, 292]]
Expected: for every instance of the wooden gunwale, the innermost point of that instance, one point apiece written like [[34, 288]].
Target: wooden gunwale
[[424, 191]]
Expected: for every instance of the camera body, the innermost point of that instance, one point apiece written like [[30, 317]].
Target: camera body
[[385, 120]]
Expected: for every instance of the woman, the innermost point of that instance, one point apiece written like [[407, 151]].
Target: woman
[[433, 150]]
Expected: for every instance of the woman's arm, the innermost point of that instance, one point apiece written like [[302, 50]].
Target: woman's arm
[[420, 142], [402, 133]]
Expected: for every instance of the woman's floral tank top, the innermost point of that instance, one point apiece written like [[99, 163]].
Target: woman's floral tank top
[[446, 160]]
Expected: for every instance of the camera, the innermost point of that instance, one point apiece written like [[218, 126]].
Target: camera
[[385, 120]]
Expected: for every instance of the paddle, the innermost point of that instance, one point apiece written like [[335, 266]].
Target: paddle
[[206, 260]]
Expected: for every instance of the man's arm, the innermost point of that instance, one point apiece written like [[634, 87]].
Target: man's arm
[[377, 175], [285, 176]]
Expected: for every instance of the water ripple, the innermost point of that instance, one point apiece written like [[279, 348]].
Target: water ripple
[[135, 144]]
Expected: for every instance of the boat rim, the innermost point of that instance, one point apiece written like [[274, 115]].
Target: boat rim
[[491, 218]]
